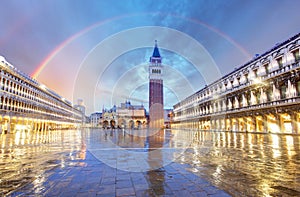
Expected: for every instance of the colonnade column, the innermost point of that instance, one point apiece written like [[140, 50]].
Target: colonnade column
[[265, 123], [1, 123], [245, 124], [294, 119], [230, 124], [278, 122], [254, 124], [237, 124]]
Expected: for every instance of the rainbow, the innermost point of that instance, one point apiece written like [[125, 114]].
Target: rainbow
[[62, 45]]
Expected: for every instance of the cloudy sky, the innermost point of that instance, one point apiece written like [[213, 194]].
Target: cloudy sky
[[99, 50]]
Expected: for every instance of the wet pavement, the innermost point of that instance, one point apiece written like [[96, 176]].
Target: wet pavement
[[149, 163]]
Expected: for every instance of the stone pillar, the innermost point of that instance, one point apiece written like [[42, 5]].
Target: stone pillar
[[39, 126], [221, 124], [199, 124], [1, 121], [215, 124], [8, 126], [294, 121], [36, 126], [230, 124], [245, 122], [237, 124], [253, 120], [279, 122], [265, 123]]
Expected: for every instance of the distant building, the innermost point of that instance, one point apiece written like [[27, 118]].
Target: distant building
[[80, 107], [126, 116], [156, 97], [131, 116], [95, 119], [168, 115], [109, 118]]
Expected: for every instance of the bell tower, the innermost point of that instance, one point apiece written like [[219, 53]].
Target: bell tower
[[156, 95]]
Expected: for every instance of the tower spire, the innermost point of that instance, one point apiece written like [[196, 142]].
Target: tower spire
[[156, 51]]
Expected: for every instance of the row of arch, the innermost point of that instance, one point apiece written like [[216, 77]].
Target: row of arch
[[285, 122], [124, 124], [15, 86], [156, 71], [12, 124], [21, 106], [246, 98]]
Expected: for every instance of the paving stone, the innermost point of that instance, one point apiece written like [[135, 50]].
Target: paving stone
[[123, 184], [144, 193], [125, 191], [210, 190], [140, 186], [123, 177], [106, 189], [199, 194], [220, 194], [108, 181], [106, 195], [182, 193]]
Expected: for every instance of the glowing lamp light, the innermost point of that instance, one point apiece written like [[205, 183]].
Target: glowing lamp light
[[42, 86]]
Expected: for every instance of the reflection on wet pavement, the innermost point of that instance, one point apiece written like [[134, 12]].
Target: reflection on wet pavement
[[25, 156], [164, 163], [247, 164]]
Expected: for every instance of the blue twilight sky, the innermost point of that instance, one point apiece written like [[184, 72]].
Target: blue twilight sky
[[64, 38]]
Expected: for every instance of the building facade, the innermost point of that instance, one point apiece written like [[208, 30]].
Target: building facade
[[260, 96], [27, 104], [156, 96], [131, 116], [125, 116], [168, 115], [80, 107], [95, 119]]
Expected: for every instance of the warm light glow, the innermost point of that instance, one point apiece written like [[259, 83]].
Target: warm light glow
[[252, 98], [245, 103], [22, 127], [257, 81], [273, 127], [290, 145], [250, 143], [276, 93], [275, 145], [42, 86], [291, 90], [287, 127], [263, 96], [17, 138], [242, 141], [217, 173]]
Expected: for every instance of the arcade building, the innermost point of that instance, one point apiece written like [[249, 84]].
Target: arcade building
[[263, 95], [26, 104]]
